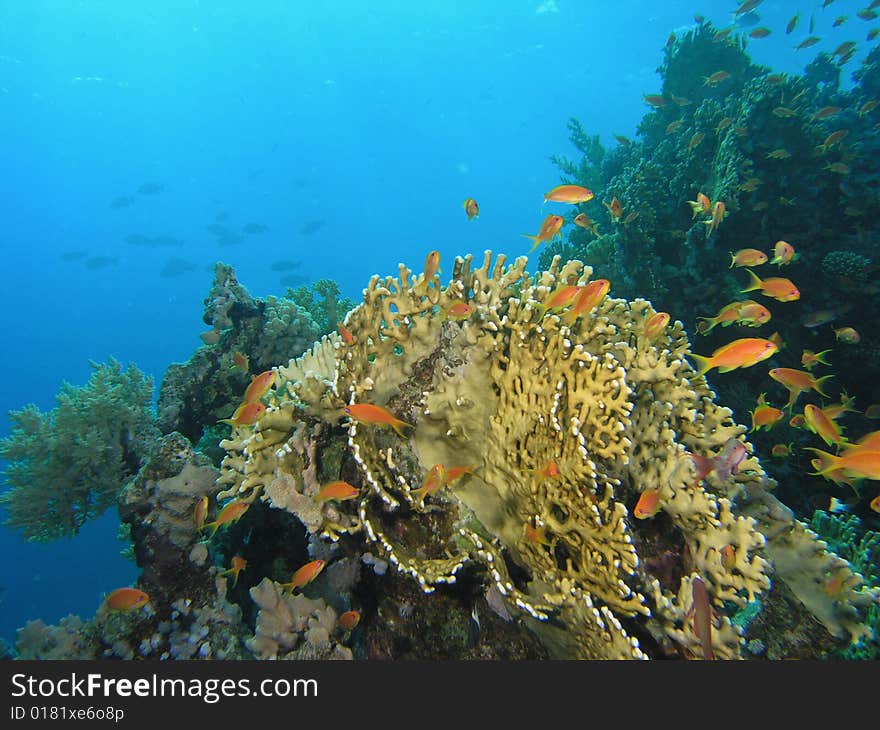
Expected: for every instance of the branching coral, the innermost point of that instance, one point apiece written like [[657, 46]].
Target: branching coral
[[68, 465], [507, 392]]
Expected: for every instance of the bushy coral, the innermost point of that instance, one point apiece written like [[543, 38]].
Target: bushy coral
[[323, 302], [851, 266], [68, 465]]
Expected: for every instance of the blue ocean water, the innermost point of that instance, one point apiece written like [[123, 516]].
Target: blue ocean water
[[351, 131]]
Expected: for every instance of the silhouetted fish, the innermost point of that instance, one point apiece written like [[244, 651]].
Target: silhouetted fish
[[73, 255], [312, 226], [121, 202], [100, 262], [176, 267], [151, 188], [138, 239], [285, 265], [254, 228], [747, 20]]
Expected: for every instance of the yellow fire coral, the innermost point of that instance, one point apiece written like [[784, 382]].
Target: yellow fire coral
[[508, 390]]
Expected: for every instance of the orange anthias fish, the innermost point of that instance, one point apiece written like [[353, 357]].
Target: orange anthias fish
[[457, 311], [719, 211], [702, 617], [559, 298], [728, 557], [434, 480], [780, 451], [875, 504], [550, 228], [746, 312], [858, 464], [246, 414], [260, 385], [582, 220], [349, 620], [810, 359], [346, 334], [454, 473], [747, 257], [764, 415], [695, 140], [232, 512], [376, 415], [126, 599], [778, 288], [655, 100], [238, 565], [783, 254], [648, 504], [716, 78], [337, 491], [550, 470], [847, 335], [432, 268], [614, 207], [738, 354], [241, 362], [587, 299], [573, 194], [200, 513], [304, 575], [472, 209], [536, 535], [825, 428], [701, 205], [656, 325], [797, 382]]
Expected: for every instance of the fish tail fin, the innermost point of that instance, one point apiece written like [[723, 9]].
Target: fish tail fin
[[705, 325], [230, 421], [215, 525], [704, 364], [820, 357], [398, 425], [732, 260], [818, 385], [536, 239], [824, 464], [754, 282]]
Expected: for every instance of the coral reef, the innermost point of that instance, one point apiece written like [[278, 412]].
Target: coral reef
[[68, 465], [507, 392]]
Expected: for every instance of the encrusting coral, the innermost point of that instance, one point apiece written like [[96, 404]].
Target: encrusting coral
[[502, 394], [68, 465]]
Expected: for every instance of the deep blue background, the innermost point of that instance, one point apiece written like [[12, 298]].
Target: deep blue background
[[377, 119]]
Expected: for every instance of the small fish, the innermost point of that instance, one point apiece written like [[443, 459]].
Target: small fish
[[625, 141], [337, 492], [874, 504], [867, 14], [550, 228], [680, 100], [701, 205], [559, 298], [583, 221], [783, 112], [743, 353], [777, 340], [231, 513], [824, 427], [432, 268], [778, 288], [454, 473], [655, 100], [752, 314], [345, 333], [792, 24], [587, 299], [761, 32], [747, 257], [872, 34], [751, 184], [550, 470], [238, 565], [536, 535], [780, 451], [873, 411], [810, 359], [434, 480], [833, 138], [126, 599], [838, 168], [614, 207], [839, 20], [349, 620], [783, 253], [807, 42], [847, 335], [702, 617], [458, 311], [631, 217], [775, 79], [656, 325], [377, 416], [719, 211], [246, 414], [672, 126], [259, 386], [471, 208], [648, 504], [860, 464], [764, 415], [838, 507], [716, 78], [305, 575], [779, 154], [797, 382], [200, 513], [869, 105], [797, 421], [695, 140], [819, 317], [573, 194], [825, 112], [728, 557], [240, 362]]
